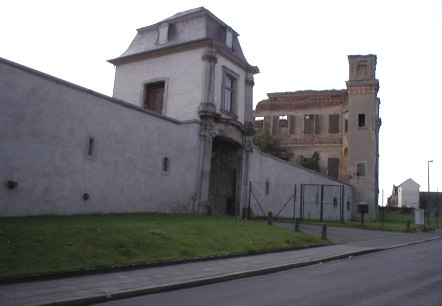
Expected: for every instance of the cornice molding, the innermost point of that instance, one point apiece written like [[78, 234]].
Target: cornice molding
[[196, 44], [302, 101], [363, 88]]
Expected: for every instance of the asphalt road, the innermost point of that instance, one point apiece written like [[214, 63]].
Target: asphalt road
[[410, 275]]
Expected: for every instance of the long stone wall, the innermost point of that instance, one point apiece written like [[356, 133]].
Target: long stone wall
[[273, 183], [67, 150]]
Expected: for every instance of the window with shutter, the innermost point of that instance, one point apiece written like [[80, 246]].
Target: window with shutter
[[333, 167], [309, 124], [317, 126], [275, 125], [291, 125], [333, 123]]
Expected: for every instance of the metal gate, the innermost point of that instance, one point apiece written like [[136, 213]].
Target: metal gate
[[322, 202]]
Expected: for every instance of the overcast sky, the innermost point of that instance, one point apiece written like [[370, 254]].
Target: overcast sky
[[297, 45]]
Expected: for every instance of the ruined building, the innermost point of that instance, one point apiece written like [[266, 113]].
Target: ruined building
[[341, 125]]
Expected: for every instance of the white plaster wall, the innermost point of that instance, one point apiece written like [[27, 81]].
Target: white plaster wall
[[45, 126], [408, 195], [183, 73], [282, 177]]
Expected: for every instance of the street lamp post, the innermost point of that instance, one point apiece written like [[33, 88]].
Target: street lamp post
[[430, 161]]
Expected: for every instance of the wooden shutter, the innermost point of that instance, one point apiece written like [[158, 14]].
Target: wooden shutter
[[275, 125], [333, 167], [291, 125], [333, 123], [317, 125]]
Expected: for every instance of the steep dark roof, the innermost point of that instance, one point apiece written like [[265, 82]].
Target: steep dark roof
[[185, 28]]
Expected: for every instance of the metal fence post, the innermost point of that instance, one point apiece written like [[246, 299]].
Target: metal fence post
[[297, 225], [270, 218]]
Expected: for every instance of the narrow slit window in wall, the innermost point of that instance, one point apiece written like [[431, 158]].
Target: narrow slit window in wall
[[90, 148], [166, 165]]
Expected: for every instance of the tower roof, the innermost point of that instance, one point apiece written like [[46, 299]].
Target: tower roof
[[185, 29]]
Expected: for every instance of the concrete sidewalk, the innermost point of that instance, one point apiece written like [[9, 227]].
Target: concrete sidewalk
[[95, 288]]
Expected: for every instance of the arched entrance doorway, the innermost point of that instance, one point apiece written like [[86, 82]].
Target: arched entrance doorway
[[224, 176]]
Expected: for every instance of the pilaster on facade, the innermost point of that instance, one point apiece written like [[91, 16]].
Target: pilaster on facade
[[207, 106], [248, 105]]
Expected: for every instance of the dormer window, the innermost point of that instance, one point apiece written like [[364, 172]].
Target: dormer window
[[163, 34], [229, 38]]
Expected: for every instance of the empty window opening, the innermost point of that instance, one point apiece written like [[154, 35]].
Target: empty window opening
[[335, 202], [89, 153], [283, 121], [361, 169], [267, 187], [333, 123], [348, 205], [166, 164], [154, 96], [90, 147], [361, 120], [259, 121], [346, 125]]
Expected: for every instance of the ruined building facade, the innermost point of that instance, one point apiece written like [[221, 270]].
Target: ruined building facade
[[341, 125]]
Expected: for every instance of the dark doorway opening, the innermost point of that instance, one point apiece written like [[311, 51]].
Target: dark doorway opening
[[223, 186]]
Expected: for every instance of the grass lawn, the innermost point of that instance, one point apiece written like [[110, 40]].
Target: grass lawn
[[32, 245], [393, 221]]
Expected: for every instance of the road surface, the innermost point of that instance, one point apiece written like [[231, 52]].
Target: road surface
[[410, 275]]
